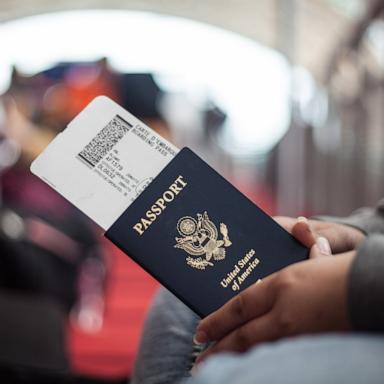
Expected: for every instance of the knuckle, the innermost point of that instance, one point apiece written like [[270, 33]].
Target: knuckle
[[239, 307], [284, 323], [285, 280], [349, 241], [353, 238], [242, 339]]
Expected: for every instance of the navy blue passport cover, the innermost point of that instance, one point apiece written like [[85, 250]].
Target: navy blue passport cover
[[200, 237]]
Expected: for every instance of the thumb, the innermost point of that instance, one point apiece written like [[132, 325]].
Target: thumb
[[303, 232], [319, 245], [321, 248]]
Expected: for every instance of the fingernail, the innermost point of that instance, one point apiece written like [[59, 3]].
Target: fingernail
[[196, 368], [302, 219], [323, 245], [199, 360], [200, 338]]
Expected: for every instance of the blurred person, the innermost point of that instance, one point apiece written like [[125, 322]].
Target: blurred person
[[50, 252], [38, 107], [321, 320]]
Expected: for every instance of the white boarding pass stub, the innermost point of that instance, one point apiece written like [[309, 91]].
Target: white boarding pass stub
[[103, 160]]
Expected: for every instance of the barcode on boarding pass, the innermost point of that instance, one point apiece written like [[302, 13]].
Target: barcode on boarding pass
[[104, 141]]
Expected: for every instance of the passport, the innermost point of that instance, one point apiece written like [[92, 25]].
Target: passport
[[200, 237], [164, 207]]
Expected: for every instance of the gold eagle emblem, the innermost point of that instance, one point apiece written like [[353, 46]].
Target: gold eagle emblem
[[200, 240]]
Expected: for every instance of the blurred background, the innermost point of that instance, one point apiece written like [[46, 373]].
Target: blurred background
[[284, 97]]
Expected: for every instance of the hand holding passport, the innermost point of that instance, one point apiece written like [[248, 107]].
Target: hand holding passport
[[165, 208]]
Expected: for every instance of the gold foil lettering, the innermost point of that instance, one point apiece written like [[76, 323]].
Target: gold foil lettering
[[160, 205], [138, 228], [241, 271], [168, 196]]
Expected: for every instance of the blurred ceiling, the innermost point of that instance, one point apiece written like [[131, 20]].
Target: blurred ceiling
[[305, 31]]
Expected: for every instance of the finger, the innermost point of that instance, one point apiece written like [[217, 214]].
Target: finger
[[342, 238], [286, 222], [242, 338], [249, 304], [321, 248], [303, 233], [334, 237]]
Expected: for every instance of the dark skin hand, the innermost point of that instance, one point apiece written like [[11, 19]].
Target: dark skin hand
[[304, 298]]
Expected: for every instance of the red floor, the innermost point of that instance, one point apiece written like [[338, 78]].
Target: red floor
[[110, 352]]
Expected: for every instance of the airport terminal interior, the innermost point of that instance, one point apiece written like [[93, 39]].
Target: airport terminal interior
[[284, 98]]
